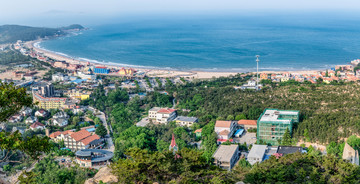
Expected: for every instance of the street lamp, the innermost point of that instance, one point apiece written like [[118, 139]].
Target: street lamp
[[257, 71]]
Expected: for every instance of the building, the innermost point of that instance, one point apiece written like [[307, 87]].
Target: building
[[41, 113], [350, 154], [173, 146], [185, 121], [61, 122], [31, 120], [126, 72], [256, 154], [44, 89], [284, 150], [101, 70], [37, 126], [93, 157], [273, 123], [59, 77], [247, 124], [78, 95], [82, 139], [59, 136], [198, 133], [162, 115], [225, 129], [226, 156], [48, 102]]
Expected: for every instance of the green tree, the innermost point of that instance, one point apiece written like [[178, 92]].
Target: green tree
[[101, 130], [286, 140], [240, 117]]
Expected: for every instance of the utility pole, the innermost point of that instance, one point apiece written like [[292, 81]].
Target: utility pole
[[257, 71]]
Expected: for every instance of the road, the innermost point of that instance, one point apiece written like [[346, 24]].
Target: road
[[102, 116]]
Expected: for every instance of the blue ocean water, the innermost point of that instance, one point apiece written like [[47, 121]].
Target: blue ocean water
[[219, 43]]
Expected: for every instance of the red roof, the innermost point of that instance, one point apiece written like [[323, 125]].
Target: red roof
[[226, 124], [37, 124], [101, 67], [89, 139], [167, 111], [247, 122], [55, 134], [82, 134], [173, 143], [224, 140], [198, 130]]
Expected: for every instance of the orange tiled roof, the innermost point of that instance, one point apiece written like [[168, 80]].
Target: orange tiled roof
[[247, 122], [168, 111], [226, 124], [55, 134], [89, 139], [36, 124], [77, 136], [198, 130]]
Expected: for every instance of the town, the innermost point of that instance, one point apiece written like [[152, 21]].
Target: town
[[64, 95]]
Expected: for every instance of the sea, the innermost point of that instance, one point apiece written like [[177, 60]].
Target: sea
[[221, 42]]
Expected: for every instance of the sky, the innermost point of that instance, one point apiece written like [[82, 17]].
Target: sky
[[60, 12]]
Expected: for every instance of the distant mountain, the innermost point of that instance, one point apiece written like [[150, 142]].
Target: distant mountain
[[12, 33]]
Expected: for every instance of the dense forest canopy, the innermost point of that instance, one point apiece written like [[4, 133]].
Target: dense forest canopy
[[13, 33]]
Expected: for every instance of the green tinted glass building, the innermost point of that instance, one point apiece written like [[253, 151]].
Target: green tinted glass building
[[273, 123]]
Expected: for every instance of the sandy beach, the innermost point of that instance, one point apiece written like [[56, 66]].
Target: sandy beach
[[151, 72]]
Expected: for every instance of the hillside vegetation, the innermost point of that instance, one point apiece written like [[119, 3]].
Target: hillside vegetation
[[12, 33], [328, 112]]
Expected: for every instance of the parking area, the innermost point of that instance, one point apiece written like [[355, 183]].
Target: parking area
[[249, 138], [65, 160]]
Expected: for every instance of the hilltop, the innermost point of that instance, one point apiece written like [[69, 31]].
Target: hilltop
[[12, 33]]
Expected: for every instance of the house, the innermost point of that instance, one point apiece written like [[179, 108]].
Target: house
[[256, 154], [126, 72], [26, 111], [225, 129], [20, 129], [162, 115], [37, 125], [41, 113], [350, 154], [198, 133], [284, 150], [31, 120], [59, 136], [61, 122], [247, 124], [61, 114], [226, 156], [185, 121]]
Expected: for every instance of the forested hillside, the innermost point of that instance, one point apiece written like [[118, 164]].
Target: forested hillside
[[12, 33], [328, 112]]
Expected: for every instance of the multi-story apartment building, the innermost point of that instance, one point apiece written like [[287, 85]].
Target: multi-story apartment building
[[162, 115], [226, 156], [48, 102], [273, 123], [225, 129]]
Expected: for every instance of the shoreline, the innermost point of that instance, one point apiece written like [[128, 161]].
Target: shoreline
[[153, 71]]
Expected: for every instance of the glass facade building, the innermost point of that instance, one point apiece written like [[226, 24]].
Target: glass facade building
[[273, 123]]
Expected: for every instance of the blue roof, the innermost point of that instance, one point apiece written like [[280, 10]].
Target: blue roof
[[78, 81], [239, 132]]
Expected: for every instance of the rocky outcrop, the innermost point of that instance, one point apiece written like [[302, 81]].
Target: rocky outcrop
[[104, 175]]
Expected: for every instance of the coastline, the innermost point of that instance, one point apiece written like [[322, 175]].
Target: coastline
[[150, 71]]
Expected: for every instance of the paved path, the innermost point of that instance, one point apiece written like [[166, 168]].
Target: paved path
[[102, 116]]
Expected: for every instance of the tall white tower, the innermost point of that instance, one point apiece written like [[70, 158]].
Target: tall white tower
[[257, 71]]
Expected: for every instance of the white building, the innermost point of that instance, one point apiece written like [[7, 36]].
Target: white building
[[225, 129], [256, 154], [226, 156], [59, 77], [37, 126], [31, 120], [162, 115], [185, 121]]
